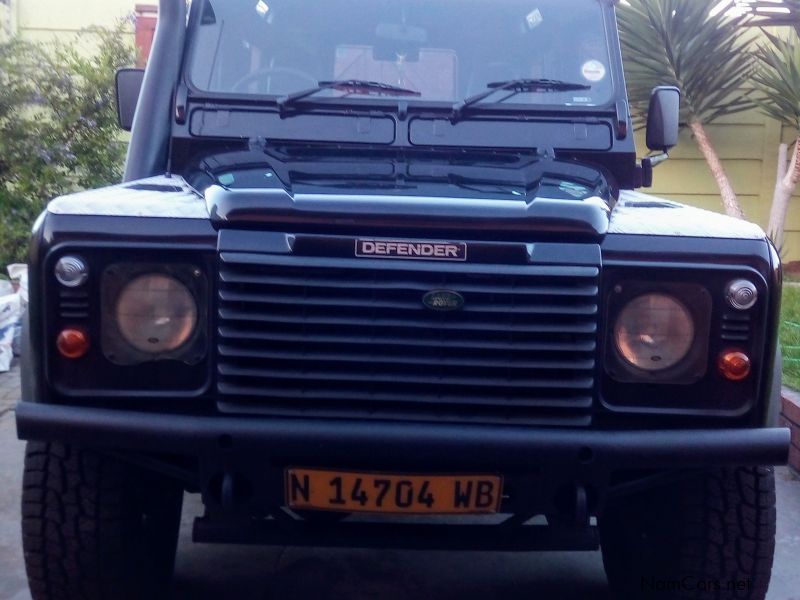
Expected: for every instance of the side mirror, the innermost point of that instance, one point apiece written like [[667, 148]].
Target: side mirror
[[663, 118], [129, 85]]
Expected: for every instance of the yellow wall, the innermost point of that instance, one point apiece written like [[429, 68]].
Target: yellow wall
[[44, 20], [748, 145]]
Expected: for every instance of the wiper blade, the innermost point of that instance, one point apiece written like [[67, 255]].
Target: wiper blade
[[351, 86], [514, 87]]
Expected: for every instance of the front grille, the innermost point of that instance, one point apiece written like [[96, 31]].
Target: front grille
[[339, 334]]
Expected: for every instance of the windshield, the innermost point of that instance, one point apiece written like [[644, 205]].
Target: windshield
[[444, 50]]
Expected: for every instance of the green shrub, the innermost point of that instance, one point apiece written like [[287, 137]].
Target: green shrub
[[790, 335], [58, 131]]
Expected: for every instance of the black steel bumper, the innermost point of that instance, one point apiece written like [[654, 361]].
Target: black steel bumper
[[481, 446], [562, 473]]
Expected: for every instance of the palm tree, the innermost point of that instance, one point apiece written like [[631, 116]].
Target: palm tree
[[683, 43], [777, 77]]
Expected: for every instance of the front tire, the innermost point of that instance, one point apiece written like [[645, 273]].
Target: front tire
[[707, 537], [95, 528]]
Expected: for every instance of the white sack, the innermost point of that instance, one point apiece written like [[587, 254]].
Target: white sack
[[10, 312], [19, 272]]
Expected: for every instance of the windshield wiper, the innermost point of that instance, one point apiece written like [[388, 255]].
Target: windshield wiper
[[514, 87], [350, 86]]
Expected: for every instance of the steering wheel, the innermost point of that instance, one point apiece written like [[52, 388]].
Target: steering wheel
[[265, 75]]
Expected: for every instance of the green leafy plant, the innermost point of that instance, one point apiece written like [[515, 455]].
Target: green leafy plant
[[58, 129], [790, 336], [777, 78], [704, 53]]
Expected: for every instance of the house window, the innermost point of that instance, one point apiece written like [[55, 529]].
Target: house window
[[146, 19]]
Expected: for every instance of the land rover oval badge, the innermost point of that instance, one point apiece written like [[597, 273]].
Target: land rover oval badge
[[443, 300]]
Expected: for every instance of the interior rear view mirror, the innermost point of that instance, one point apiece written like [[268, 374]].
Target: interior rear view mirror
[[397, 40]]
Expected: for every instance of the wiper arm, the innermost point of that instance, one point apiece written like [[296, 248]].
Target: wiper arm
[[516, 86], [351, 86]]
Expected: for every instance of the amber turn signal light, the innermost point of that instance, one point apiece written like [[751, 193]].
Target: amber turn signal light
[[72, 343], [734, 365]]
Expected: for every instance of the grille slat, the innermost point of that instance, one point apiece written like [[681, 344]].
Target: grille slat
[[296, 299], [350, 357], [229, 315], [352, 375], [411, 266], [418, 286], [313, 331], [235, 335], [360, 395]]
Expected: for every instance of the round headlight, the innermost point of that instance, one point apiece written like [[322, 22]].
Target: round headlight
[[156, 313], [654, 332]]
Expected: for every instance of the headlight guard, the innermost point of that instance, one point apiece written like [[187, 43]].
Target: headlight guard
[[153, 312], [654, 332], [658, 333]]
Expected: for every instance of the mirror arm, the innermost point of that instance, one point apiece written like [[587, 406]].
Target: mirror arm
[[648, 164]]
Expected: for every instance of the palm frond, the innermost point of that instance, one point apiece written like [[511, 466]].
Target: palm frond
[[777, 78], [679, 42]]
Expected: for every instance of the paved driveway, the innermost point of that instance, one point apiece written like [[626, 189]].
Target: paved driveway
[[252, 573]]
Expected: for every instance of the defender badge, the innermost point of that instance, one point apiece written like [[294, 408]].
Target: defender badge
[[443, 300], [408, 250]]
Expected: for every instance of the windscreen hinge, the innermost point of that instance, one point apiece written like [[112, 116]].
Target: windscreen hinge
[[181, 102], [621, 121]]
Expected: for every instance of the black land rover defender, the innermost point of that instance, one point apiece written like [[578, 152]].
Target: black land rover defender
[[383, 258]]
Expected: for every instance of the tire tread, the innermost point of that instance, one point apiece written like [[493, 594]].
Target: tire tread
[[718, 526], [79, 525]]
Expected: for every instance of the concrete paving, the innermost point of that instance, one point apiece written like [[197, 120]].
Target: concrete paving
[[205, 572]]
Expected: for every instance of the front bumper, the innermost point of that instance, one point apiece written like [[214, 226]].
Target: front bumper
[[567, 473], [350, 441]]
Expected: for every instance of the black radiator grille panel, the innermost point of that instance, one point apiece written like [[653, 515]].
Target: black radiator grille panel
[[338, 333]]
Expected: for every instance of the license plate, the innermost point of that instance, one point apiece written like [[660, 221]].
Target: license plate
[[353, 492]]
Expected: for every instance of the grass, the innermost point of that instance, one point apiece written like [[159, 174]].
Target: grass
[[790, 336]]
